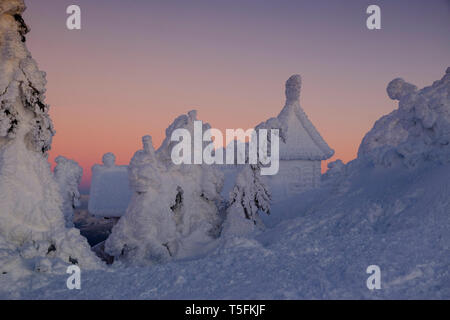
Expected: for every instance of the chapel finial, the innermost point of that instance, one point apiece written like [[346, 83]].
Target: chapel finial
[[293, 87]]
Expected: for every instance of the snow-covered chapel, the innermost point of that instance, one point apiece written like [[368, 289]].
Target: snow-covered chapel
[[303, 150]]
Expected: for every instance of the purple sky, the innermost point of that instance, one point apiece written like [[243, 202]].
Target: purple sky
[[137, 64]]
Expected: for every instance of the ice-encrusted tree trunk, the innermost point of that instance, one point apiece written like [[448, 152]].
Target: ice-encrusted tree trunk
[[68, 176], [33, 235]]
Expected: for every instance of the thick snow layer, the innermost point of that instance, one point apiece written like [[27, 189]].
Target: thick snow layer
[[68, 176], [249, 197], [32, 225], [110, 192], [419, 130], [316, 246]]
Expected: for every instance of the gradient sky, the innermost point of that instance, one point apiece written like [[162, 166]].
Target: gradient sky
[[137, 64]]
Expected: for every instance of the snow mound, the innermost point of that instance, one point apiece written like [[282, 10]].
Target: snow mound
[[316, 246], [110, 192], [419, 130], [31, 218]]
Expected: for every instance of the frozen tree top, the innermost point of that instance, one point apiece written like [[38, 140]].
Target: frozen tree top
[[32, 227], [23, 111], [68, 164], [303, 141]]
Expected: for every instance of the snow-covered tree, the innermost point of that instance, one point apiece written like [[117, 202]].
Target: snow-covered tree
[[251, 194], [68, 176], [417, 131], [173, 212], [33, 235], [147, 231]]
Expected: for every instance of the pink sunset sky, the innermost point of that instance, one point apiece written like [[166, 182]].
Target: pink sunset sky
[[136, 65]]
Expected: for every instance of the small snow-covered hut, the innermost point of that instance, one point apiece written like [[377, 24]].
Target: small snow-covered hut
[[303, 150]]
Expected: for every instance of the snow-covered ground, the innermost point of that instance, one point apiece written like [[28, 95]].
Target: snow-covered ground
[[315, 246], [389, 207]]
